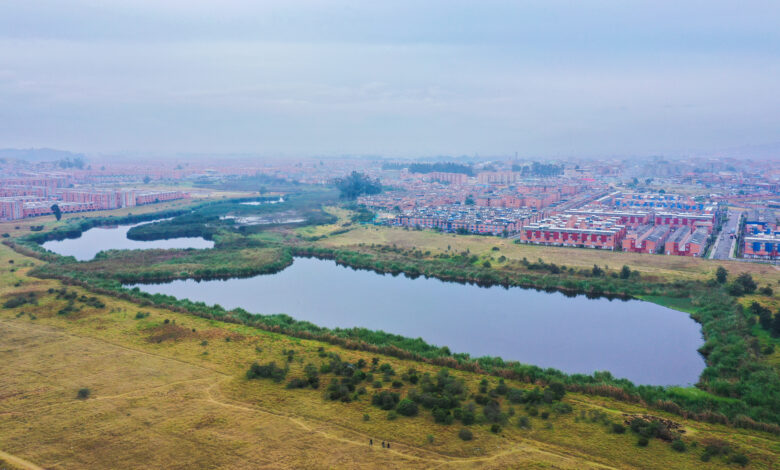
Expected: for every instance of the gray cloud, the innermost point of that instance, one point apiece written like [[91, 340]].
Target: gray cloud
[[298, 78]]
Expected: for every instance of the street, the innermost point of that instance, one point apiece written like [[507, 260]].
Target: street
[[724, 242]]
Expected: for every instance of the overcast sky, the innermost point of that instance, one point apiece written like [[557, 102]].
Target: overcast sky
[[396, 78]]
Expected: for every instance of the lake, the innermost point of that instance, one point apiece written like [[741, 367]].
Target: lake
[[95, 240], [643, 342]]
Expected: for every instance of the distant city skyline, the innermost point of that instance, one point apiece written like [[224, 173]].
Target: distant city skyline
[[402, 79]]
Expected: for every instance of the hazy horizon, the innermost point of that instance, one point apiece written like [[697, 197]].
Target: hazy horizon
[[543, 79]]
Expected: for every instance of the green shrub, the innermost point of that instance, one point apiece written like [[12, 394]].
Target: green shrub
[[391, 415], [337, 391], [739, 459], [465, 434], [385, 399], [492, 412], [467, 416], [407, 407], [679, 445], [17, 301], [267, 371], [297, 383], [523, 422], [618, 428], [562, 408], [642, 442], [495, 428], [83, 393], [442, 416]]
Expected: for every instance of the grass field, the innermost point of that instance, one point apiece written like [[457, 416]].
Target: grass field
[[661, 266], [174, 395], [327, 229]]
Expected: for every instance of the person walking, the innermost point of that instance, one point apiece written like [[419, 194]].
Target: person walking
[[370, 442]]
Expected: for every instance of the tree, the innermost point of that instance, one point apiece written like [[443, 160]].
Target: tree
[[625, 272], [356, 184], [764, 315], [469, 200], [385, 400], [57, 212], [747, 283], [721, 275], [775, 330], [147, 179], [736, 289], [407, 407], [558, 390]]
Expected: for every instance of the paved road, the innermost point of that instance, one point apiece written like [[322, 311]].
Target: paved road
[[724, 243]]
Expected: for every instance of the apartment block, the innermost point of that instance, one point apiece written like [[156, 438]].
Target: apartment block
[[762, 246], [11, 208], [452, 178], [572, 230]]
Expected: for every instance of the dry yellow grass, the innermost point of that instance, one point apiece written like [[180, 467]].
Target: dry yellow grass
[[185, 404]]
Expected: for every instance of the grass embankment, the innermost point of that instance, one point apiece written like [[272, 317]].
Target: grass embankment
[[651, 267], [169, 390]]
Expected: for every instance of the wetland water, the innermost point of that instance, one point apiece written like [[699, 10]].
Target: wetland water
[[95, 240], [640, 341]]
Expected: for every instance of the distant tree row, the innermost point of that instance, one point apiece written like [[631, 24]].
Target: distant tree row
[[445, 167], [75, 162], [539, 169]]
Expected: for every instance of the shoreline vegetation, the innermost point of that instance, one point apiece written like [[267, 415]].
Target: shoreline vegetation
[[736, 387]]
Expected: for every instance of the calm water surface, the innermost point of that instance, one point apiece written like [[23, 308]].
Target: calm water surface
[[98, 239], [641, 341]]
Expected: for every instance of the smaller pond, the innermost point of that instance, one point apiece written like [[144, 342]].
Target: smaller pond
[[98, 239]]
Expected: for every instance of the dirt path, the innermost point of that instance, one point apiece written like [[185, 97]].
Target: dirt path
[[19, 462]]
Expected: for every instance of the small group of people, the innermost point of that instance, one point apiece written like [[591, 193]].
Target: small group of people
[[384, 445]]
